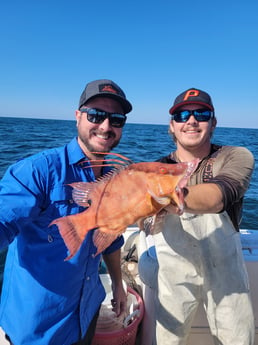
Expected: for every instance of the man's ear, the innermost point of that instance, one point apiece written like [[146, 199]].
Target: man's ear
[[214, 123], [78, 115]]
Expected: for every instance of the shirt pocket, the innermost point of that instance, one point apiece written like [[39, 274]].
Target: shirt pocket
[[59, 204]]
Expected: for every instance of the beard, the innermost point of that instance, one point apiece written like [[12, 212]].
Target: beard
[[92, 148]]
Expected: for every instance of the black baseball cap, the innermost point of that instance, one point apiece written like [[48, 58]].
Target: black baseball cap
[[192, 96], [107, 88]]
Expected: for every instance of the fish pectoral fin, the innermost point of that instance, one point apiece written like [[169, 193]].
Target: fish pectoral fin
[[148, 224], [164, 200], [153, 225]]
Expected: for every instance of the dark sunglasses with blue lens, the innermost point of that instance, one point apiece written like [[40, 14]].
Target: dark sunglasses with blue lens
[[201, 115], [98, 116]]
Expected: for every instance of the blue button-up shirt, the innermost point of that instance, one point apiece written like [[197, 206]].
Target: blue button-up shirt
[[46, 300]]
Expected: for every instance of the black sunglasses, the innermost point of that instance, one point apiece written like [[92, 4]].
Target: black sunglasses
[[98, 116], [200, 115]]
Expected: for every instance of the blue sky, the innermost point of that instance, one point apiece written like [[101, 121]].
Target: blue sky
[[153, 49]]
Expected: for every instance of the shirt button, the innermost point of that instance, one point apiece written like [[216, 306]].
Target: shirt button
[[50, 238], [88, 278]]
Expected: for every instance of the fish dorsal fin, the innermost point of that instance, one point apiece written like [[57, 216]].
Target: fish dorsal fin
[[108, 175], [119, 161]]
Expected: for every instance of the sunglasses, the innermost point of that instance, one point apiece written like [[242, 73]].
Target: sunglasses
[[98, 116], [200, 115]]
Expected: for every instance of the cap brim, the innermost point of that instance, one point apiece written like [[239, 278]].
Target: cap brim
[[127, 106], [175, 107]]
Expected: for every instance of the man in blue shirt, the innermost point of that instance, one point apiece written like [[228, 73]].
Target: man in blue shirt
[[46, 300]]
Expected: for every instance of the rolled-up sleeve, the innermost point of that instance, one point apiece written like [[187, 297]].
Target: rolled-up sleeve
[[117, 244]]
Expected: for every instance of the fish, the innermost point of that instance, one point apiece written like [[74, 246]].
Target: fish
[[128, 193]]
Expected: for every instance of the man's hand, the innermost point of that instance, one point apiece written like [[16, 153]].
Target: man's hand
[[173, 208], [119, 301]]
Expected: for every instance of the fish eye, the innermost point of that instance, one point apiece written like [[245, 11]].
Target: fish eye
[[163, 170]]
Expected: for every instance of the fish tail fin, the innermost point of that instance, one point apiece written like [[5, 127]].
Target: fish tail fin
[[72, 237]]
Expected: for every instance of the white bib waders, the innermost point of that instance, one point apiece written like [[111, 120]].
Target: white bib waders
[[200, 261]]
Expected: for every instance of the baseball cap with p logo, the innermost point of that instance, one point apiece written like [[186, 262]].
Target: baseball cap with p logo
[[192, 96]]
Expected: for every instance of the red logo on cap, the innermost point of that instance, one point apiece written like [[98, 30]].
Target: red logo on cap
[[108, 88], [191, 93]]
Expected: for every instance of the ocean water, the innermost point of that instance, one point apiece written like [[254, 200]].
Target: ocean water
[[21, 137]]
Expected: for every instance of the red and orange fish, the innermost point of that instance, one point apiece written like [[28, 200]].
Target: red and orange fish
[[122, 198]]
